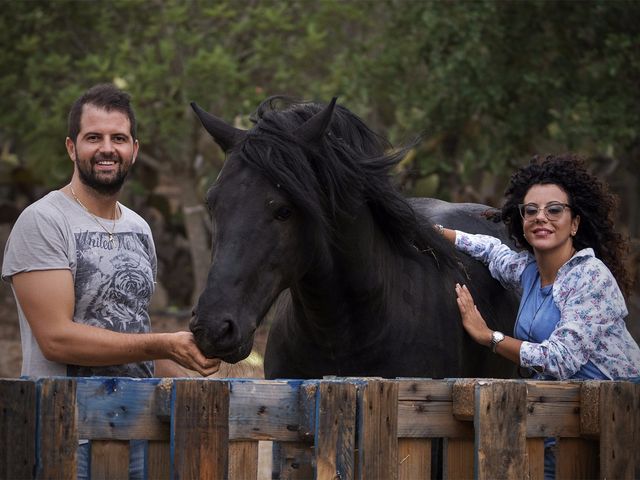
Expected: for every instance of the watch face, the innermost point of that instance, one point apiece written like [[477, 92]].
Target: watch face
[[498, 337]]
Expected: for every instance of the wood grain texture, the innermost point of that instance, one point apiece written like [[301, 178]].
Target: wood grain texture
[[109, 459], [500, 429], [335, 432], [414, 458], [200, 429], [57, 427], [618, 416], [17, 428], [378, 430]]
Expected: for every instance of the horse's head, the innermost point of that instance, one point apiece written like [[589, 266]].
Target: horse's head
[[261, 235]]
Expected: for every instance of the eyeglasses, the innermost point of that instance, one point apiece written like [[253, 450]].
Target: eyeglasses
[[553, 211]]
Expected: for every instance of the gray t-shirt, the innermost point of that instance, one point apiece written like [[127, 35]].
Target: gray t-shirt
[[113, 281]]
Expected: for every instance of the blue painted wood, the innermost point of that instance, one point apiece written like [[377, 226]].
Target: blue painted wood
[[119, 409]]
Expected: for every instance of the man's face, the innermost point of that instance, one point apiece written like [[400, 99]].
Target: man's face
[[104, 149]]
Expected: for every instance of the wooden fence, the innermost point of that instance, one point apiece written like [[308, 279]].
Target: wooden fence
[[361, 428]]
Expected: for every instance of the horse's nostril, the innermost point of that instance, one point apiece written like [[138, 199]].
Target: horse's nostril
[[227, 328]]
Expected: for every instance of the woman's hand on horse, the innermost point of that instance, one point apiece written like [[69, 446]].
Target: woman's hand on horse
[[472, 321]]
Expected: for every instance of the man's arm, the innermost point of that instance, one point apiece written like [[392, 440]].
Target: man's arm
[[47, 300]]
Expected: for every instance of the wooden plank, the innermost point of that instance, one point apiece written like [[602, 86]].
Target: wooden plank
[[259, 410], [335, 430], [576, 459], [17, 428], [617, 430], [500, 429], [378, 430], [424, 390], [159, 460], [109, 459], [57, 428], [414, 456], [590, 409], [292, 461], [535, 458], [459, 458], [430, 419], [551, 391], [243, 460], [199, 429], [119, 408], [550, 419]]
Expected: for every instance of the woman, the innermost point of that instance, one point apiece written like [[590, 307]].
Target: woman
[[570, 324]]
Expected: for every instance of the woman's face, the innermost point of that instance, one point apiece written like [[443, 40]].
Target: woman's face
[[546, 234]]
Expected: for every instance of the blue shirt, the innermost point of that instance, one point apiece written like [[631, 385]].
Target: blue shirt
[[538, 317]]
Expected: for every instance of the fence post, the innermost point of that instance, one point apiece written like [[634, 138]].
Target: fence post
[[199, 429], [618, 419], [57, 429], [17, 428], [335, 431], [378, 429], [500, 430]]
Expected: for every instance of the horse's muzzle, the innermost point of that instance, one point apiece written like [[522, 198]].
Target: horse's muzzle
[[220, 339]]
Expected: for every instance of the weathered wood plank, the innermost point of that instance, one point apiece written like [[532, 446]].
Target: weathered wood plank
[[109, 459], [57, 428], [292, 461], [459, 458], [260, 410], [430, 419], [535, 458], [551, 419], [159, 460], [424, 390], [119, 409], [378, 429], [17, 428], [500, 429], [199, 429], [414, 458], [577, 459], [617, 450], [243, 460], [335, 431]]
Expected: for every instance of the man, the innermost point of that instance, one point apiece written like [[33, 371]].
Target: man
[[82, 265]]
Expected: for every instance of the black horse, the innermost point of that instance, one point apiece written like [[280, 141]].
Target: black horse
[[304, 207]]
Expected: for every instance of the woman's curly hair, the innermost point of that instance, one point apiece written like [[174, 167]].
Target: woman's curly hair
[[588, 198]]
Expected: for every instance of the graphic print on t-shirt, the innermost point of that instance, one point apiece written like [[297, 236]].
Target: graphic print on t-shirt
[[113, 287]]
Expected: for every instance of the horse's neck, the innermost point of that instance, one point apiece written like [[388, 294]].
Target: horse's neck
[[356, 281]]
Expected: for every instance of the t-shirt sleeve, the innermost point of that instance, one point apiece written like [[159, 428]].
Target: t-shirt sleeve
[[38, 241]]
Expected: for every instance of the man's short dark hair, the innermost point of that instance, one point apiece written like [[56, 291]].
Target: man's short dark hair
[[106, 96]]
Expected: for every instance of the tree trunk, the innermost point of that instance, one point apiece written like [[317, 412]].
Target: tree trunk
[[195, 222]]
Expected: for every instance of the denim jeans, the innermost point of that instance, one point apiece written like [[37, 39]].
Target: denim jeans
[[549, 458], [137, 453]]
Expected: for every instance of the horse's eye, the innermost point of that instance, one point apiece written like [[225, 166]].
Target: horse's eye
[[282, 213]]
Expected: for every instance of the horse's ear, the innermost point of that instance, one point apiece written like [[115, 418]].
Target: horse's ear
[[224, 134], [314, 128]]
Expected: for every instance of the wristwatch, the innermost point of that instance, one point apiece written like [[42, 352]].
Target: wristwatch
[[496, 338]]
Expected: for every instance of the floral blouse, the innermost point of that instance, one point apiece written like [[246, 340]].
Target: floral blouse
[[592, 311]]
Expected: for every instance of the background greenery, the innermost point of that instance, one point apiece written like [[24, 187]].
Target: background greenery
[[487, 84]]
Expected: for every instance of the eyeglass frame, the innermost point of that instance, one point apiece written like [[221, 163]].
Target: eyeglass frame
[[544, 210]]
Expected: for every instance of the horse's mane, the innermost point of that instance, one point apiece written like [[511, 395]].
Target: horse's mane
[[332, 179]]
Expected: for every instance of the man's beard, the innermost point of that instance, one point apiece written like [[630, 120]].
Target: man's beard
[[105, 186]]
